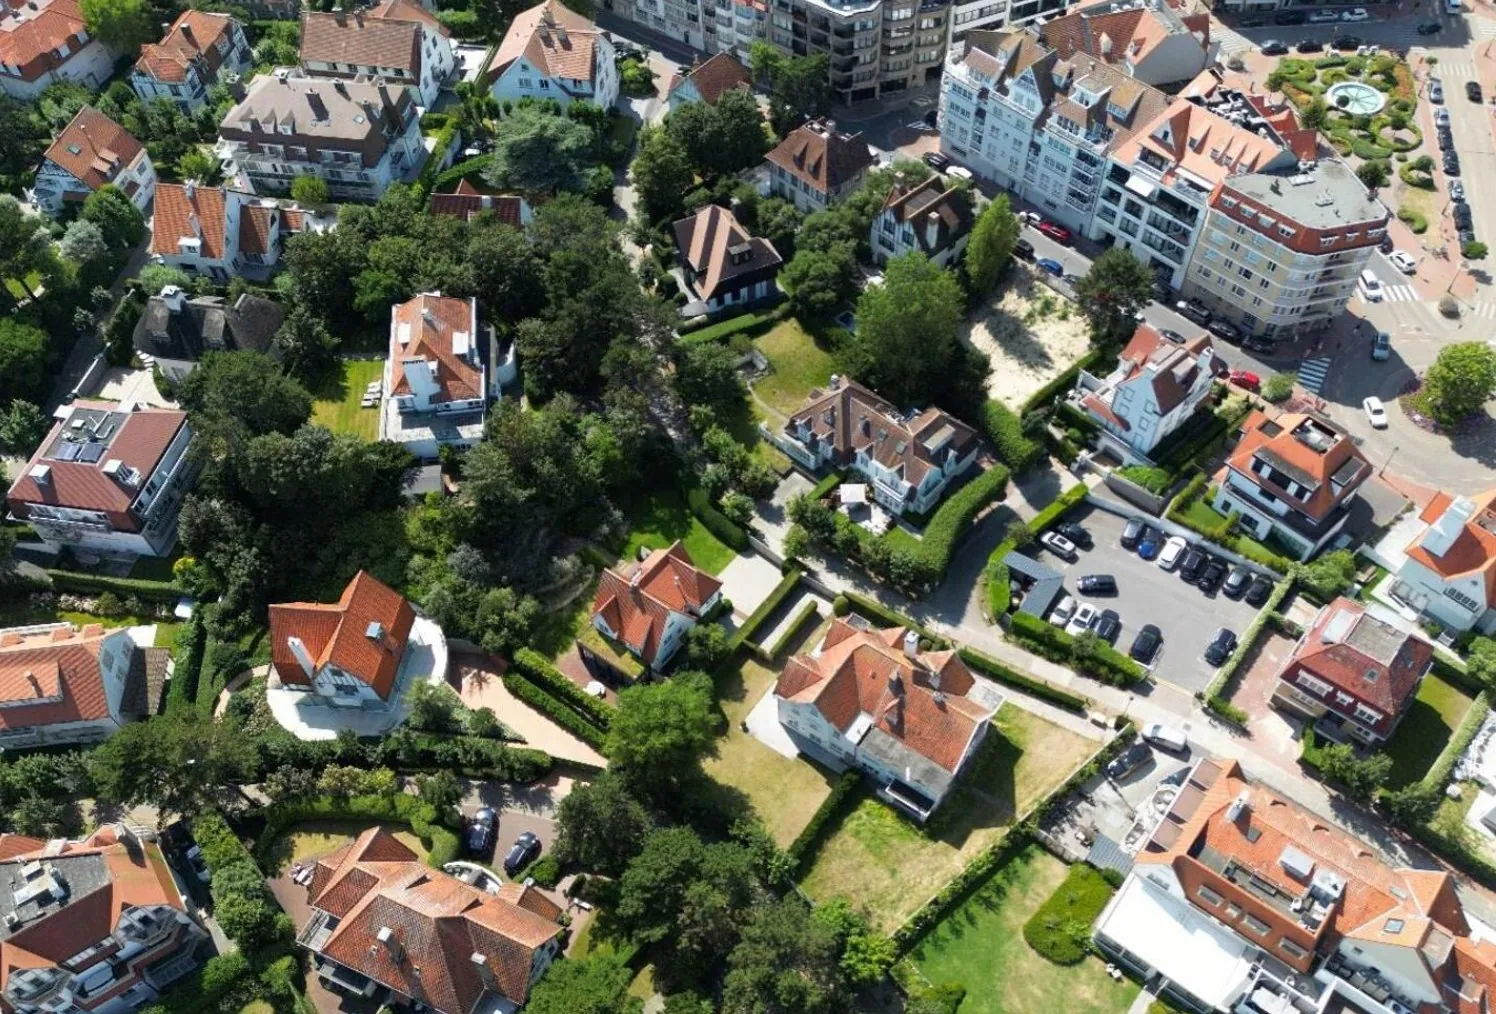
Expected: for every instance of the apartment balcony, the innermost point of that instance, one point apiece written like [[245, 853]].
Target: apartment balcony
[[843, 64], [899, 50], [1168, 226], [820, 24], [842, 49], [799, 15]]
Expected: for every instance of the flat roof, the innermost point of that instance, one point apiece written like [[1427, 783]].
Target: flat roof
[[1326, 196]]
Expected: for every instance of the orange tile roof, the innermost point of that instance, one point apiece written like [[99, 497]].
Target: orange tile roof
[[536, 34], [467, 202], [667, 581], [1200, 142], [1277, 438], [437, 923], [60, 663], [94, 149], [352, 38], [34, 32], [821, 156], [706, 241], [1473, 549], [192, 37], [405, 10], [429, 322], [1118, 36], [188, 211], [338, 634], [257, 228], [714, 77]]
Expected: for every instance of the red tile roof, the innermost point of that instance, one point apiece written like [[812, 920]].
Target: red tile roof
[[94, 149], [34, 32], [343, 38], [59, 668], [193, 36], [714, 78], [636, 603], [1119, 36], [429, 323], [339, 634], [821, 156], [1474, 547], [189, 211], [467, 202], [707, 241], [405, 10], [537, 35], [1280, 440]]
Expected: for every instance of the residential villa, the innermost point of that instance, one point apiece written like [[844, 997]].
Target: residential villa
[[552, 52], [1449, 570], [927, 217], [1151, 42], [1155, 389], [108, 480], [398, 43], [95, 925], [872, 699], [442, 370], [1241, 901], [1354, 672], [357, 136], [43, 42], [467, 202], [198, 51], [91, 152], [1293, 478], [387, 929], [909, 460], [223, 233], [349, 663], [707, 81], [649, 608], [61, 684], [815, 166], [723, 264], [174, 331]]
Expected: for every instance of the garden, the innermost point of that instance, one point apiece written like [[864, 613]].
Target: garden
[[338, 402], [1426, 728], [797, 365]]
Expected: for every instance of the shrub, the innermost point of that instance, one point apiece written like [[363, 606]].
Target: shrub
[[538, 669], [546, 871], [95, 584], [1413, 219], [1029, 684], [875, 610], [1064, 382], [807, 616], [1154, 480], [823, 488], [999, 586], [1328, 576], [715, 521], [187, 665], [751, 324], [1279, 386], [758, 616], [556, 711], [1061, 928], [1100, 660], [832, 805], [1005, 430], [1365, 149], [954, 517]]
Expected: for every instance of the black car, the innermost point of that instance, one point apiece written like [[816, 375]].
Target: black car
[[1273, 47], [1075, 533], [1194, 562], [1097, 584], [1023, 250], [481, 832], [1462, 217], [1290, 18], [1212, 576], [1446, 139], [1129, 760], [1236, 584], [1431, 28], [1347, 43], [1451, 166], [1261, 346], [1145, 645], [1221, 648], [525, 848], [936, 161], [1467, 236], [1226, 330], [1171, 335], [1107, 625], [1260, 589], [1309, 46], [1132, 534], [1472, 91]]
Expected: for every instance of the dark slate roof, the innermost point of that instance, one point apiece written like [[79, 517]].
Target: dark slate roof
[[145, 683], [207, 323]]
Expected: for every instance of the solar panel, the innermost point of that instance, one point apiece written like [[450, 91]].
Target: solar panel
[[90, 452], [67, 451]]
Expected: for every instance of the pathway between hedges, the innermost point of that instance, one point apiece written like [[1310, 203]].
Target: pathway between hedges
[[481, 685]]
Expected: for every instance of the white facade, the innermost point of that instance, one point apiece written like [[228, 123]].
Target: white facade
[[1262, 515], [1159, 222], [891, 238], [347, 178], [522, 79], [732, 26], [677, 626], [681, 20], [91, 65], [889, 489], [54, 183], [1137, 422], [114, 668], [191, 93], [1459, 600]]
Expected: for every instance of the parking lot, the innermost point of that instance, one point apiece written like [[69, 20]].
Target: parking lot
[[1146, 593], [1114, 808]]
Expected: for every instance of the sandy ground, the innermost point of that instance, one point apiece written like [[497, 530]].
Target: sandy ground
[[1027, 345]]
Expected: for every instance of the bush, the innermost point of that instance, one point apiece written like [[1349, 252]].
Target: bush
[[999, 586], [1439, 772], [545, 871], [556, 711], [823, 488], [1328, 576], [1005, 430], [1279, 386], [1064, 382], [187, 665], [807, 616], [833, 804], [538, 669], [1413, 219], [1154, 480], [715, 521], [954, 517], [756, 619], [751, 324], [1099, 660], [1061, 928], [95, 584], [1039, 688], [442, 845]]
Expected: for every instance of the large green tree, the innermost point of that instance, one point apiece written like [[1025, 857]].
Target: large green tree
[[601, 826], [722, 137], [661, 732], [179, 763], [787, 962], [662, 175], [121, 222], [1460, 381], [1111, 294], [23, 359], [906, 344], [596, 984], [24, 247], [991, 245], [234, 396], [820, 280], [800, 89], [22, 427], [538, 152], [305, 345], [122, 24]]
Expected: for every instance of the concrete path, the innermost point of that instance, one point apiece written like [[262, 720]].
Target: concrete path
[[481, 687], [763, 725], [747, 581]]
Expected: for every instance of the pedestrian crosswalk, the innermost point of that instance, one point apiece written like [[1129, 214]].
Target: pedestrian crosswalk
[[1456, 72], [1312, 374], [1486, 311], [1399, 293]]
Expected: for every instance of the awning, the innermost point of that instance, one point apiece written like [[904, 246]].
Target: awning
[[1140, 186], [853, 492]]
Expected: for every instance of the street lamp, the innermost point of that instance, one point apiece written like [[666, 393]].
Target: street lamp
[[1395, 449]]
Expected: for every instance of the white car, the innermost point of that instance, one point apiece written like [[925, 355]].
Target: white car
[[1058, 545], [1355, 14], [1441, 117], [961, 173], [1371, 288], [1167, 737], [1062, 612], [1376, 412], [1323, 17], [1082, 620], [1172, 552], [1403, 262]]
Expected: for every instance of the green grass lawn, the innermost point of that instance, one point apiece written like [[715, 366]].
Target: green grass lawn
[[658, 520], [1430, 722], [154, 568], [337, 399], [981, 945], [14, 287], [558, 629], [797, 365], [1200, 512], [24, 613]]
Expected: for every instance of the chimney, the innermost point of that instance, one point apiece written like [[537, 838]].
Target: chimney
[[561, 34], [911, 644], [190, 189], [36, 685], [835, 381], [303, 656], [391, 944], [480, 964], [174, 298], [932, 229], [187, 34], [636, 577]]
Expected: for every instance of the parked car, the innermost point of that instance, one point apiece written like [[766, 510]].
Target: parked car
[[1023, 250], [1075, 533], [1435, 90], [1191, 565], [1309, 46], [1097, 584], [1403, 262], [1273, 47], [525, 848], [1081, 621], [1371, 287], [1381, 346], [1125, 763], [961, 173], [194, 857], [1171, 335], [1323, 17], [1220, 648], [1430, 27], [481, 831], [1194, 311], [1173, 551], [1148, 548], [1061, 613], [1246, 379], [1451, 165], [1259, 591], [1058, 545], [1212, 576], [1466, 237], [1355, 14], [1462, 216], [1441, 117], [1376, 412], [1107, 626], [1237, 582], [1166, 737], [1145, 646], [1445, 139], [1225, 329], [1054, 231], [1132, 532], [935, 160], [1289, 18], [1051, 265], [1472, 91], [1261, 346]]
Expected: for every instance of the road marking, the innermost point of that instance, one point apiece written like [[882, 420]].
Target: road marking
[[1312, 374], [1399, 293], [1486, 310]]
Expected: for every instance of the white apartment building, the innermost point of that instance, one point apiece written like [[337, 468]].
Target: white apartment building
[[1154, 390], [1448, 572], [732, 26], [552, 52], [877, 48]]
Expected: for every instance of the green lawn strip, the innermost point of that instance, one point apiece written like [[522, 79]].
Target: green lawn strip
[[154, 568], [560, 628], [337, 401], [1423, 732], [658, 520], [798, 365], [1061, 928]]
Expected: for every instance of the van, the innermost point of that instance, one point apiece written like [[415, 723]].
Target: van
[[961, 173], [1371, 286]]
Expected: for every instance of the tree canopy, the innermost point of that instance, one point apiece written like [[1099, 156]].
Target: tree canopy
[[1111, 294], [1460, 381], [906, 342], [538, 152], [120, 24], [991, 245]]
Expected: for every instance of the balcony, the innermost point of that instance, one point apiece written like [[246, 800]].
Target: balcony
[[1168, 226], [899, 50]]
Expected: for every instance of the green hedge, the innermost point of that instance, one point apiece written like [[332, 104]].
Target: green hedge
[[1452, 673], [1216, 694], [823, 488], [999, 580], [1005, 429], [442, 844], [97, 584], [1179, 449], [1060, 929], [807, 616], [1108, 664], [872, 609], [445, 139], [758, 616], [754, 323], [1364, 149], [990, 666], [719, 524], [841, 796], [471, 756], [954, 518], [1154, 480], [536, 668], [187, 666], [1438, 773], [469, 169], [999, 586], [556, 711], [1062, 383]]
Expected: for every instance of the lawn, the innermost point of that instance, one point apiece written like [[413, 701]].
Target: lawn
[[1430, 722], [560, 628], [337, 399], [1200, 512], [658, 520], [981, 945], [784, 792], [796, 363], [316, 838], [24, 613], [12, 286], [154, 568], [890, 866]]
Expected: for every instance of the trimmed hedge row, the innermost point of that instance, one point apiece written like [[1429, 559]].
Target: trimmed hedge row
[[459, 171], [758, 616], [1451, 673], [187, 665], [999, 587], [1062, 383], [567, 718], [807, 616], [1214, 695], [1180, 448], [985, 663], [1107, 664], [872, 609], [823, 488], [953, 519], [538, 669], [1060, 929], [810, 834], [441, 843], [756, 323], [1438, 773], [97, 584], [471, 756], [719, 524], [1005, 429]]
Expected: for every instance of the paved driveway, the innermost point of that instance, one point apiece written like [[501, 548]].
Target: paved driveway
[[746, 582], [480, 683], [1149, 594], [1274, 735]]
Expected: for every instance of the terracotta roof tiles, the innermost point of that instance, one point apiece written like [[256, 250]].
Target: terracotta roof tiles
[[192, 37], [428, 325], [188, 211], [715, 77], [824, 158], [93, 148], [362, 41], [534, 35], [340, 634], [643, 597]]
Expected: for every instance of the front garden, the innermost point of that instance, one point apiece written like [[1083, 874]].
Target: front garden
[[1425, 730]]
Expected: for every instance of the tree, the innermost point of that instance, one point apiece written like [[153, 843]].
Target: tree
[[906, 342], [23, 359], [1481, 660], [120, 221], [1474, 250], [235, 396], [601, 827], [1279, 386], [1460, 381], [433, 708], [991, 245], [155, 277], [1361, 778], [538, 152], [1414, 804], [596, 984], [800, 89], [786, 963], [309, 189], [662, 175], [819, 281], [1329, 575], [119, 24], [196, 164], [722, 137], [304, 343], [1374, 173], [83, 243], [1112, 292], [24, 247], [22, 427], [441, 789], [178, 763], [662, 730], [708, 645], [778, 222], [507, 275], [706, 373], [1314, 115]]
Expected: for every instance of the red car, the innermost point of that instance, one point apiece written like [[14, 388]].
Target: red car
[[1246, 379], [1058, 233]]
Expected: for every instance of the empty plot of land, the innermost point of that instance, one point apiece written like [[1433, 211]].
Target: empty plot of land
[[1030, 333]]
